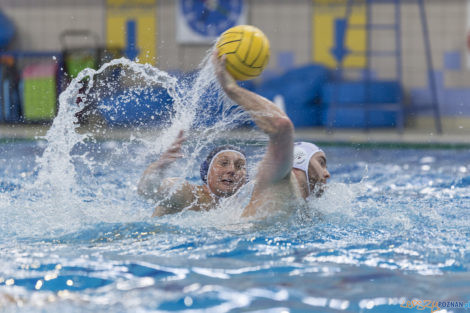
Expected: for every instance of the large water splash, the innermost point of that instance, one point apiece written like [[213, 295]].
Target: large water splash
[[69, 188], [63, 136]]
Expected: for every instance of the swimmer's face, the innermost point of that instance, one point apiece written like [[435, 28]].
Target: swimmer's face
[[227, 174], [318, 173]]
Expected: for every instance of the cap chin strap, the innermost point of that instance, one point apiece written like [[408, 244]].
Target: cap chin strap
[[303, 152], [210, 165], [305, 171], [308, 183]]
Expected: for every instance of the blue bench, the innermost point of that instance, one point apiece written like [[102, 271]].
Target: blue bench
[[301, 89], [361, 104], [149, 107]]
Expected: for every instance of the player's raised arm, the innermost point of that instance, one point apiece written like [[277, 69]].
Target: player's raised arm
[[153, 184], [277, 163]]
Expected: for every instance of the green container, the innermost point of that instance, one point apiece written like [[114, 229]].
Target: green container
[[76, 63], [39, 102]]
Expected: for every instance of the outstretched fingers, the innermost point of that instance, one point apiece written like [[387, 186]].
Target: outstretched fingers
[[179, 139], [223, 76], [219, 63]]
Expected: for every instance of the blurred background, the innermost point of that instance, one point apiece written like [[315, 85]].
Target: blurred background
[[399, 65]]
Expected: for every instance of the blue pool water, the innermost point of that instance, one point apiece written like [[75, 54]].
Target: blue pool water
[[393, 226]]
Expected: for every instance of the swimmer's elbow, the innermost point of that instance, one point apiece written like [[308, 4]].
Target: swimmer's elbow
[[283, 125]]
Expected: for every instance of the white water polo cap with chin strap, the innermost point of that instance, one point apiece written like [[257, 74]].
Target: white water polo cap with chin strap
[[303, 152]]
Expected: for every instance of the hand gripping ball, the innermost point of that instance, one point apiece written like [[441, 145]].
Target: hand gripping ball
[[246, 49]]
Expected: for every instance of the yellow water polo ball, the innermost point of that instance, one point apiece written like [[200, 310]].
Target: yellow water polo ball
[[246, 49]]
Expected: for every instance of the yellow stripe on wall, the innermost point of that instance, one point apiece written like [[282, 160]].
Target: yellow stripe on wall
[[325, 12], [121, 3], [143, 12]]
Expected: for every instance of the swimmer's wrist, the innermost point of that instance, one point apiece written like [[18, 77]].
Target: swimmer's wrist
[[231, 89]]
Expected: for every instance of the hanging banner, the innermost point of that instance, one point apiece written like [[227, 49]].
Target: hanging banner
[[132, 25], [203, 21], [332, 39]]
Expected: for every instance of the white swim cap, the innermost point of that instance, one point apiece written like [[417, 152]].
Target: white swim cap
[[303, 152]]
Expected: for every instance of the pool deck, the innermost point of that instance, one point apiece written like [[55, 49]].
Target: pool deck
[[410, 137]]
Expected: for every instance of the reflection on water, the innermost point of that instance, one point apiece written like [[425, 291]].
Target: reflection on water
[[380, 241]]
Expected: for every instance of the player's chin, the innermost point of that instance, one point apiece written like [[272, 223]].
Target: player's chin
[[227, 191], [319, 189]]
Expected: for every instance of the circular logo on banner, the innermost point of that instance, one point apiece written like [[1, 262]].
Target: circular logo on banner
[[211, 17]]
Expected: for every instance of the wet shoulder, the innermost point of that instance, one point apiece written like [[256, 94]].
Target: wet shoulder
[[203, 200]]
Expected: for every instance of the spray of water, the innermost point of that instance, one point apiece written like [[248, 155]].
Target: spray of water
[[66, 191], [76, 188]]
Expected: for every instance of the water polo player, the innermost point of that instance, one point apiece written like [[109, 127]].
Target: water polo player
[[281, 180], [309, 168], [223, 173]]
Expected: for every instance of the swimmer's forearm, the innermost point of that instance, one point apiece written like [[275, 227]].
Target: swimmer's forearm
[[172, 194], [267, 116], [277, 163], [149, 184], [150, 181]]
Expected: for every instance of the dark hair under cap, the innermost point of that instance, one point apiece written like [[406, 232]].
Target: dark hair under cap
[[204, 170]]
